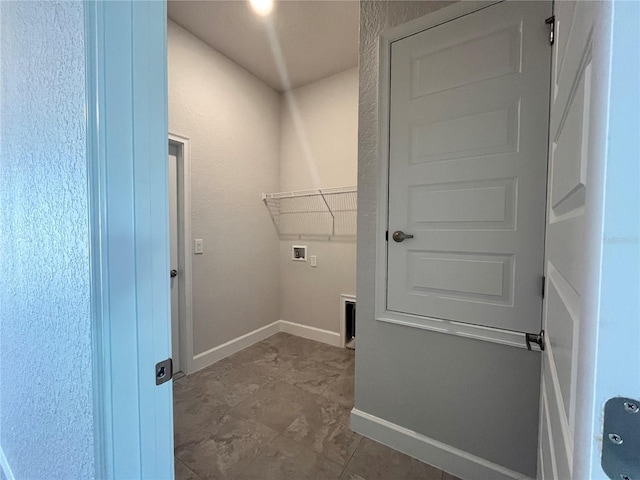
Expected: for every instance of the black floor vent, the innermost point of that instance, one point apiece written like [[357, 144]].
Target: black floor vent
[[350, 324]]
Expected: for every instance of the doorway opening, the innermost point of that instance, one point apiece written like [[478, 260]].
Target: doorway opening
[[272, 237], [180, 253]]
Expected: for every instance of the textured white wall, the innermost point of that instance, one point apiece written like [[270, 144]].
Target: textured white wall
[[319, 133], [46, 426], [233, 121], [477, 396], [318, 150]]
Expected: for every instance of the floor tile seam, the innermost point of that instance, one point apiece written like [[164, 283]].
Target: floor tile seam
[[243, 368], [346, 465], [285, 371], [261, 448], [186, 466], [309, 450], [236, 408], [333, 382], [273, 379], [290, 382], [284, 434], [324, 390], [276, 394], [252, 418], [292, 422], [320, 454], [260, 387], [224, 412], [249, 418], [255, 457], [301, 391], [260, 452]]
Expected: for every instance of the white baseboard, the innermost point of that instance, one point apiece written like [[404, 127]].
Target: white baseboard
[[312, 333], [440, 455], [4, 466], [216, 354]]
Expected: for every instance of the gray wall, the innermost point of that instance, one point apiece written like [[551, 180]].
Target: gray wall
[[477, 396], [46, 427], [319, 129], [233, 121]]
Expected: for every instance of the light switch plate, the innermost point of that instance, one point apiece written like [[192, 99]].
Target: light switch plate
[[314, 261], [198, 246]]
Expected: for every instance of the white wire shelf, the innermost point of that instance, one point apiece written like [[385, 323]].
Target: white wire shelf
[[325, 212]]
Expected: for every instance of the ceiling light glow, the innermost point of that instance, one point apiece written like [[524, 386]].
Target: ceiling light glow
[[262, 7]]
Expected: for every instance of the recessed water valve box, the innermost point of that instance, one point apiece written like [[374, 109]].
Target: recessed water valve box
[[299, 253]]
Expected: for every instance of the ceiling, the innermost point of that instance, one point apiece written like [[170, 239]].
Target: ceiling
[[316, 38]]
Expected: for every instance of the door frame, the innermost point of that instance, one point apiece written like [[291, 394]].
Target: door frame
[[479, 332], [127, 151], [185, 281]]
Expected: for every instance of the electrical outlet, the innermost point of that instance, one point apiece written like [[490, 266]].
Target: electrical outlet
[[198, 246], [314, 261]]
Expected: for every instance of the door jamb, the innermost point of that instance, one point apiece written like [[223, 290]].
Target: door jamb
[[185, 280], [490, 334]]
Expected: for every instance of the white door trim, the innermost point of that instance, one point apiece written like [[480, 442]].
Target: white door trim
[[185, 281], [495, 335]]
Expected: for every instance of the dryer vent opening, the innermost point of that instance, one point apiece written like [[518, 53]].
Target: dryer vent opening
[[350, 324]]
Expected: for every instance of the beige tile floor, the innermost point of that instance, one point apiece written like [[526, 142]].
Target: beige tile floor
[[279, 410]]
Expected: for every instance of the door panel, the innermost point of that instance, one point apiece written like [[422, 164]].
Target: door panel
[[546, 465], [174, 262], [566, 229], [467, 168]]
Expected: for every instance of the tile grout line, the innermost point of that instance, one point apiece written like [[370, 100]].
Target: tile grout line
[[346, 465], [186, 466], [310, 450], [258, 455]]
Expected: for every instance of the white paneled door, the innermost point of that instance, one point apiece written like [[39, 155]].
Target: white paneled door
[[469, 113], [566, 253]]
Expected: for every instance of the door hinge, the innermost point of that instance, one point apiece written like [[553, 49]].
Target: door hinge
[[164, 371], [386, 235], [544, 284], [537, 338], [551, 21], [621, 438]]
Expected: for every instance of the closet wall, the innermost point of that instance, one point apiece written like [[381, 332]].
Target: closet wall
[[233, 121], [319, 149], [475, 396]]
